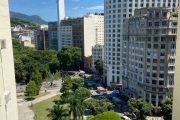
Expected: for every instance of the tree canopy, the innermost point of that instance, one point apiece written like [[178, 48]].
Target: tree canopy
[[166, 108], [98, 106], [99, 66], [69, 56], [109, 115], [140, 107], [31, 88], [27, 60]]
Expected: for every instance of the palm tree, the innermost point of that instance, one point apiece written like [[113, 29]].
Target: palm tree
[[76, 108], [58, 112]]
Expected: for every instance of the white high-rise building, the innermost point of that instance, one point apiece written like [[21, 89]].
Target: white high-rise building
[[8, 100], [61, 16], [116, 11]]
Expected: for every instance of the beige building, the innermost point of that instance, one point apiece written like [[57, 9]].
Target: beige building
[[85, 32], [8, 101], [149, 44], [176, 94], [28, 44]]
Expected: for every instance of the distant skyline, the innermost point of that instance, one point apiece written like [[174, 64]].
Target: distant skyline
[[47, 9]]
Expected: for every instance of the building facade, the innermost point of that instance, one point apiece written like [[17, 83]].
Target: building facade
[[116, 11], [149, 44], [86, 32], [41, 39], [176, 94], [8, 100], [53, 35], [97, 53], [66, 35]]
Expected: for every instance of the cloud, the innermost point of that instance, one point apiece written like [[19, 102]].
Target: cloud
[[75, 8], [75, 0], [96, 7]]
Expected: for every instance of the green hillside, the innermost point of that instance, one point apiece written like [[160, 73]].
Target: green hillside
[[22, 23]]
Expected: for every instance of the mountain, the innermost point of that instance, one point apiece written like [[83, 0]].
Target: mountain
[[33, 18]]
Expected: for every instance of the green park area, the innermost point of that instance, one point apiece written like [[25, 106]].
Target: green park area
[[40, 108]]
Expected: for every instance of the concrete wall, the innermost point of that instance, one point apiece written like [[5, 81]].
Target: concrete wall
[[7, 76], [176, 94]]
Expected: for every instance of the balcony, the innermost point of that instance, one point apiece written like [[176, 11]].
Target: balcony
[[171, 64]]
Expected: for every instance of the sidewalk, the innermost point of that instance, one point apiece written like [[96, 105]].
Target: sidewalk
[[25, 113]]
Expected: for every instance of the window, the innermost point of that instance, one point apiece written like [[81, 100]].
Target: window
[[149, 45], [161, 82], [161, 75], [162, 46], [164, 23], [161, 60], [174, 24], [161, 68], [164, 14], [154, 82], [156, 24], [157, 14]]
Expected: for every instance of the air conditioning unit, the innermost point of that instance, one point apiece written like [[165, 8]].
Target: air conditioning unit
[[2, 44], [7, 96]]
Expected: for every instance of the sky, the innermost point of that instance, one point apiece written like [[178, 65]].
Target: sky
[[47, 9]]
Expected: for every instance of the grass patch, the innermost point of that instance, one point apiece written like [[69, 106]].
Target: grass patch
[[34, 97], [39, 109]]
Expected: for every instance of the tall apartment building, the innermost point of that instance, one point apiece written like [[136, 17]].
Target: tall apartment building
[[53, 35], [8, 100], [149, 44], [116, 11], [97, 53], [176, 94], [41, 39], [85, 32]]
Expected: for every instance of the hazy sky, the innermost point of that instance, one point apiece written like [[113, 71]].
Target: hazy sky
[[47, 9]]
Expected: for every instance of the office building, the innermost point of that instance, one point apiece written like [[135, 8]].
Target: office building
[[116, 11], [84, 32], [61, 16], [97, 53], [41, 39], [176, 94], [149, 44], [66, 35], [53, 35], [8, 100]]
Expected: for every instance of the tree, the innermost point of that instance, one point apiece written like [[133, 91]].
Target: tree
[[140, 107], [76, 83], [31, 88], [76, 100], [98, 106], [37, 78], [109, 115], [99, 66], [58, 112], [66, 87], [69, 56], [52, 76], [166, 108]]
